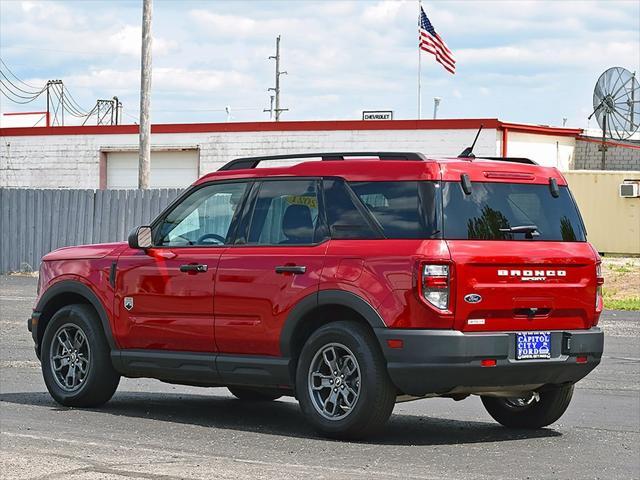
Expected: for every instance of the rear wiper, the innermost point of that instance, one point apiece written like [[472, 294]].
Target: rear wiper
[[529, 231]]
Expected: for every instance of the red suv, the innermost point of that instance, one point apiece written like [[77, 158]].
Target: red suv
[[349, 283]]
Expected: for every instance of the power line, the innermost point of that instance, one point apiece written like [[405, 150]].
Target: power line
[[7, 92], [73, 101], [15, 76], [67, 106], [33, 93]]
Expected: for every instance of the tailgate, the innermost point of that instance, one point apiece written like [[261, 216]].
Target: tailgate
[[520, 285]]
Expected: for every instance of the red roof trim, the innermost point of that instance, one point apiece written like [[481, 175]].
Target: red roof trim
[[328, 125], [24, 113], [541, 129], [609, 143]]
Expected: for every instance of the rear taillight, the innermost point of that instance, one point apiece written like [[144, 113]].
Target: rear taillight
[[435, 285], [599, 283]]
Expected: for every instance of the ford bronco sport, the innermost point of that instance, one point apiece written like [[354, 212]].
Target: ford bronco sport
[[350, 283]]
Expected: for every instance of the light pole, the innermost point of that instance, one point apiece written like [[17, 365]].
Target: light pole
[[436, 103]]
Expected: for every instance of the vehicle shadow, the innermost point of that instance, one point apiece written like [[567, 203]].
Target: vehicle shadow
[[282, 418]]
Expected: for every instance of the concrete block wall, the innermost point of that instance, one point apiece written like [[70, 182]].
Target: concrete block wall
[[73, 161], [588, 157], [218, 148]]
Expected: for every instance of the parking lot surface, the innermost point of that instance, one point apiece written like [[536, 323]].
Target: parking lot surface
[[154, 430]]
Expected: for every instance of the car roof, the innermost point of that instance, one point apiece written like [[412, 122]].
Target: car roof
[[426, 168]]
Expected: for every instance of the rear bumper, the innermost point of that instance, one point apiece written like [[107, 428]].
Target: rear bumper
[[448, 361]]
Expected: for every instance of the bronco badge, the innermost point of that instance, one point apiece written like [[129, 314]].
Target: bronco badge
[[128, 303]]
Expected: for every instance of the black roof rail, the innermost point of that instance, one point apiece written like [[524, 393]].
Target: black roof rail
[[509, 159], [252, 162]]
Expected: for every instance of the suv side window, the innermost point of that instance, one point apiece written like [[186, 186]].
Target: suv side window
[[203, 218], [345, 220], [286, 212], [404, 209]]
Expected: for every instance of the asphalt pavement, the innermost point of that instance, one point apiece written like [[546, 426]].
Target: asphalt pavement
[[152, 430]]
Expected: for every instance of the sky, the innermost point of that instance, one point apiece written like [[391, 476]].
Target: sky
[[520, 61]]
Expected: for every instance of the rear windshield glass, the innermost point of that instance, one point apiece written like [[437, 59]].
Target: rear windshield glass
[[493, 211], [401, 209]]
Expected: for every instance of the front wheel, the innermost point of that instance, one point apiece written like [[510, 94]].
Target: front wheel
[[342, 382], [534, 410], [76, 361]]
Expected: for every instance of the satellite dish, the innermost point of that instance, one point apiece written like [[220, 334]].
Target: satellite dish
[[616, 103]]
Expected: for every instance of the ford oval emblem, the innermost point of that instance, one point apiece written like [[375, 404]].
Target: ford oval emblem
[[472, 298]]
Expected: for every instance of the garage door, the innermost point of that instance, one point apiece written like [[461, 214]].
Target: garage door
[[174, 169]]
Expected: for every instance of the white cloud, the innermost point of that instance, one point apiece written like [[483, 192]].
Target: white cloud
[[520, 60], [128, 41]]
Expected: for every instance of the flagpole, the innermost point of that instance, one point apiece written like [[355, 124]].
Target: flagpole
[[419, 64]]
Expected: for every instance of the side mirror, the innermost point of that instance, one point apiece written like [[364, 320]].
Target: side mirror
[[140, 238]]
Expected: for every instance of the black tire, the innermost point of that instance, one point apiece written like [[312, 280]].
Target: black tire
[[100, 380], [376, 393], [550, 407], [254, 395]]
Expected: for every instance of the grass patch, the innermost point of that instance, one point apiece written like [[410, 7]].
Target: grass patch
[[629, 303], [626, 268]]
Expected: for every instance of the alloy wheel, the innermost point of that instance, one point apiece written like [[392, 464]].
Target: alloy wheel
[[334, 381], [70, 357]]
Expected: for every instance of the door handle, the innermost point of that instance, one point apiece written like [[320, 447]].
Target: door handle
[[194, 267], [297, 269]]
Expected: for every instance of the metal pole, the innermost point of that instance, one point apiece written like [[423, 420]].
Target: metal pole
[[62, 100], [633, 101], [436, 103], [145, 100], [278, 78], [419, 64], [48, 117], [276, 90], [117, 106], [604, 145]]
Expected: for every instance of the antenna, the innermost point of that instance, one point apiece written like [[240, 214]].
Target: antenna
[[616, 98], [468, 152]]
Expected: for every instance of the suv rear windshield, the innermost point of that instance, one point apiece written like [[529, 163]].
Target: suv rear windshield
[[493, 208]]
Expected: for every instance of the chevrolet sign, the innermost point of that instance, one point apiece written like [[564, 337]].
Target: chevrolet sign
[[377, 115]]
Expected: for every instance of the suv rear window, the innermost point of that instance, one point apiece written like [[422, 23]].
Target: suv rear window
[[492, 207]]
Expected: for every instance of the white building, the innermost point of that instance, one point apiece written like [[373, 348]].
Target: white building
[[106, 156]]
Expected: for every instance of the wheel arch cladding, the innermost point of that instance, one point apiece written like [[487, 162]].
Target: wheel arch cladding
[[65, 293], [308, 315]]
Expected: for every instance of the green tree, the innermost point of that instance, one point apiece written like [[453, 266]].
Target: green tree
[[566, 230], [487, 226]]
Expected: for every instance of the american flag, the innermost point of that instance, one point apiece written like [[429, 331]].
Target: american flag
[[431, 42]]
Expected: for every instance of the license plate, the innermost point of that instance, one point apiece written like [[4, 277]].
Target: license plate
[[533, 345]]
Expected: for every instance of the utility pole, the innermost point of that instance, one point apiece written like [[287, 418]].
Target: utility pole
[[145, 93], [276, 90], [48, 115], [62, 100]]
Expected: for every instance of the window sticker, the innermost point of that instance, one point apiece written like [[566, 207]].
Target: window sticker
[[310, 201]]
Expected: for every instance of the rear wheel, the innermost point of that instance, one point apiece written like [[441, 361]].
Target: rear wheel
[[342, 382], [254, 395], [76, 361], [534, 410]]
